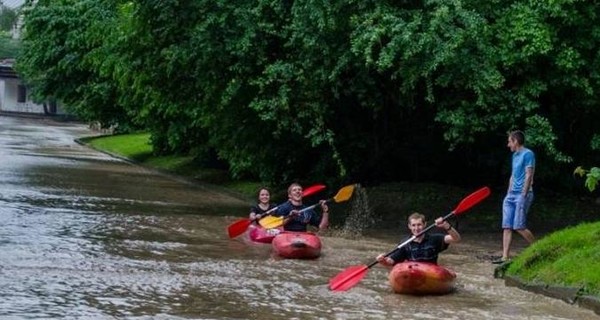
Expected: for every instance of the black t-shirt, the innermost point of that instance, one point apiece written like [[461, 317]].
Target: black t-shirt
[[257, 209], [424, 251]]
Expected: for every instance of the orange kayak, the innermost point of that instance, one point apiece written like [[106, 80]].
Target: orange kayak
[[297, 245], [421, 278]]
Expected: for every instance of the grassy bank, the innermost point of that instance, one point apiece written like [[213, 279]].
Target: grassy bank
[[568, 257], [137, 147]]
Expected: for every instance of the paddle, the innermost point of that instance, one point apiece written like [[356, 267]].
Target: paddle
[[352, 275], [241, 225], [343, 194]]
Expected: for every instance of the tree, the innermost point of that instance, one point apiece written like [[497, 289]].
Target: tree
[[9, 48], [66, 52], [362, 90], [592, 177], [593, 174], [8, 18]]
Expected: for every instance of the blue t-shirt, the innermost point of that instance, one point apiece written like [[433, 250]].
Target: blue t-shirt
[[300, 222], [425, 251], [521, 160]]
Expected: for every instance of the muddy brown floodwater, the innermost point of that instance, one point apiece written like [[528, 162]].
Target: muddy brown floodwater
[[87, 236]]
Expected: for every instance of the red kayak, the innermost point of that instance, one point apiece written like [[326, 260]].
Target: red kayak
[[421, 278], [297, 245], [262, 235]]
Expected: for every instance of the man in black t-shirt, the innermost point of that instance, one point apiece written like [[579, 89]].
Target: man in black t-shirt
[[424, 248]]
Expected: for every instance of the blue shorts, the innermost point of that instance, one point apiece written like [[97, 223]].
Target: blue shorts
[[514, 212]]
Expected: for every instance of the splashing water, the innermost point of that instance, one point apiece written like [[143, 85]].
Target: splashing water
[[361, 215]]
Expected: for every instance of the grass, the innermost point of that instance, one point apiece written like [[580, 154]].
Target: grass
[[137, 147], [568, 257]]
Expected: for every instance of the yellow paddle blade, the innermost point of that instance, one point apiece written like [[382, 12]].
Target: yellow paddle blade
[[270, 222], [344, 194]]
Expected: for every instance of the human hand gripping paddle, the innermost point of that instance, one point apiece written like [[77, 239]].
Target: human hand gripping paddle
[[343, 194], [352, 275], [241, 225]]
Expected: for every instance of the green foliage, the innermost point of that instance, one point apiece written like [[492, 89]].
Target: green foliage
[[64, 50], [541, 134], [595, 144], [592, 177], [8, 17], [258, 111], [9, 48], [360, 90], [570, 257]]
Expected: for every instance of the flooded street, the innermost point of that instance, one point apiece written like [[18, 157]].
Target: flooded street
[[87, 236]]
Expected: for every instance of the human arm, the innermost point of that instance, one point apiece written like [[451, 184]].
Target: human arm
[[288, 212], [529, 171], [453, 235], [290, 216], [526, 191], [385, 261], [324, 224], [398, 255], [254, 215]]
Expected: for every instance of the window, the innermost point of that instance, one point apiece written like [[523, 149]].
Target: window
[[21, 93]]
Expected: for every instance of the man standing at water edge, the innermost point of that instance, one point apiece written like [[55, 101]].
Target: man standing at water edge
[[519, 196]]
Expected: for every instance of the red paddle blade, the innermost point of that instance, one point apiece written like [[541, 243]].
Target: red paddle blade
[[312, 190], [348, 278], [471, 200], [238, 227]]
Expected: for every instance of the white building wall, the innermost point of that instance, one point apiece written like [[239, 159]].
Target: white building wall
[[9, 99]]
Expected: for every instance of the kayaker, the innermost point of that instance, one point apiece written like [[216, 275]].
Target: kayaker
[[263, 205], [426, 247], [519, 195], [294, 220]]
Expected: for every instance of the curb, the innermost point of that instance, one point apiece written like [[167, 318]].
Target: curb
[[189, 181], [570, 295]]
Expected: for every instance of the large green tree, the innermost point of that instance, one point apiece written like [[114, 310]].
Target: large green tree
[[366, 90], [67, 55], [9, 48], [8, 17]]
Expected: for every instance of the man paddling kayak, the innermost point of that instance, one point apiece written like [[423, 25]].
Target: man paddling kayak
[[424, 248], [294, 220]]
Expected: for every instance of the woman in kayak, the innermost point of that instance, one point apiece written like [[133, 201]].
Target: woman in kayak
[[426, 247], [294, 220], [259, 210]]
